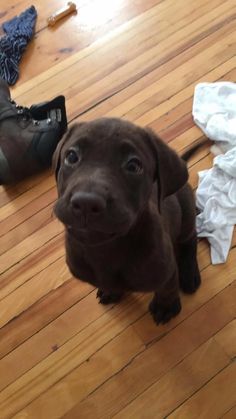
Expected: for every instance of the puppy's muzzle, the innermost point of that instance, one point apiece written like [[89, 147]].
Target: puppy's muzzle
[[87, 205]]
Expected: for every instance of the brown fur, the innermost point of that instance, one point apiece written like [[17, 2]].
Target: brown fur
[[129, 213]]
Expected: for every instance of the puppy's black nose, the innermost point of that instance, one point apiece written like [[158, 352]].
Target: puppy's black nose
[[87, 203]]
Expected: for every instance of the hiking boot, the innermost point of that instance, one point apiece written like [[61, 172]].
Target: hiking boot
[[28, 136]]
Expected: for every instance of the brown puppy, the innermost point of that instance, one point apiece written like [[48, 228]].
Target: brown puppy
[[128, 212]]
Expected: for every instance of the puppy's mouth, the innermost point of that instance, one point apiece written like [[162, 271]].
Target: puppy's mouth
[[93, 232], [92, 238]]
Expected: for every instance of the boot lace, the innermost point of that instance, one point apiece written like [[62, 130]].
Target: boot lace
[[24, 112]]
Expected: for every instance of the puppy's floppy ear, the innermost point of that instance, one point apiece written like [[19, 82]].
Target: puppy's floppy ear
[[56, 159], [171, 171]]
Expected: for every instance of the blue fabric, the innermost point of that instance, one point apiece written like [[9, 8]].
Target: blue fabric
[[19, 31]]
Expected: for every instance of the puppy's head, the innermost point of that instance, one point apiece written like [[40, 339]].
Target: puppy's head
[[105, 171]]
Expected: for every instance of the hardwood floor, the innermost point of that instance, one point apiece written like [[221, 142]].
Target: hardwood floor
[[61, 353]]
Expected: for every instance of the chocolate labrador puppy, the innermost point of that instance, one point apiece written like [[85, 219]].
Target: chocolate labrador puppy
[[129, 213]]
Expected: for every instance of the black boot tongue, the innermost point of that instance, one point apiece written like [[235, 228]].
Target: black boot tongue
[[54, 110]]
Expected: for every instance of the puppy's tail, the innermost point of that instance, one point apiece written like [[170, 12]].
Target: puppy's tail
[[187, 154]]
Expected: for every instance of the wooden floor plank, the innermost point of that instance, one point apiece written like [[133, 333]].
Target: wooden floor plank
[[107, 361], [181, 382], [33, 223], [109, 323], [205, 402], [74, 32], [31, 265], [162, 110], [142, 56], [29, 244], [33, 289], [22, 200], [62, 354], [108, 399], [136, 68], [10, 192], [230, 414], [40, 314], [227, 339]]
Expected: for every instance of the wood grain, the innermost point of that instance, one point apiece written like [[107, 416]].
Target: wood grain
[[162, 356], [61, 353], [204, 401], [179, 383]]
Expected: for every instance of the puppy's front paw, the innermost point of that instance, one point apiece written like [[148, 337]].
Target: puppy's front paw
[[162, 314], [108, 298]]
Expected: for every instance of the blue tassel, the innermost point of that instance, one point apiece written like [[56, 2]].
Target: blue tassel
[[19, 31]]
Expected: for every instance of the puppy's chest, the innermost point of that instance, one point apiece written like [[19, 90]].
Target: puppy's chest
[[105, 262], [106, 268], [124, 268]]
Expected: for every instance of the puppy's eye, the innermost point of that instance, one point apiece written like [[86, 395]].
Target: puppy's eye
[[71, 157], [134, 166]]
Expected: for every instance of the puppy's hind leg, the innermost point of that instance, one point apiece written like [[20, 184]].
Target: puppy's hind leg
[[189, 275]]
